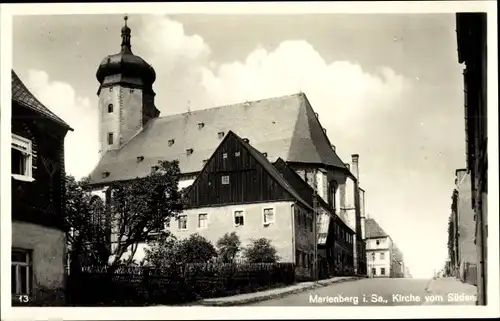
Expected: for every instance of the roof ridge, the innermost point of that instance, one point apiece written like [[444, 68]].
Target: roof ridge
[[236, 104]]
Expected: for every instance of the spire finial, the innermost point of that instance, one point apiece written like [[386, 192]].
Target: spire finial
[[126, 47]]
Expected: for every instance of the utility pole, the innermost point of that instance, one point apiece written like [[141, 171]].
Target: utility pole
[[315, 227]]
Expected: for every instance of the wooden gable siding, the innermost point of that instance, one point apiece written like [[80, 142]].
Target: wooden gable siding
[[249, 182], [42, 200]]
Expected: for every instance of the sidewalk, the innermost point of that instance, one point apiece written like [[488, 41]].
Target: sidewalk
[[453, 291], [273, 293]]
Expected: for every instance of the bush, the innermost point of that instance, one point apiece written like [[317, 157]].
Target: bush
[[228, 247], [261, 251]]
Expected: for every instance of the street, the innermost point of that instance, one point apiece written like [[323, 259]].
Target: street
[[367, 292]]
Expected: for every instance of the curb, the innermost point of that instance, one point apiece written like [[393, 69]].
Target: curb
[[276, 295]]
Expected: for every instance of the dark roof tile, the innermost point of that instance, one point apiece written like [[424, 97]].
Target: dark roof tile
[[22, 96], [373, 229]]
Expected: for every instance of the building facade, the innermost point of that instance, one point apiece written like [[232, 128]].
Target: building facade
[[38, 183], [383, 257], [130, 127], [466, 228], [472, 51]]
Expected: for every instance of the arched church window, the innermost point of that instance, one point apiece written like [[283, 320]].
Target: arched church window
[[110, 108]]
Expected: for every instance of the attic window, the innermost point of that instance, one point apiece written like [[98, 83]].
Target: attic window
[[171, 142], [265, 154], [154, 169], [105, 174], [237, 154], [246, 140], [224, 155], [110, 89], [225, 180], [220, 135], [189, 151], [201, 125], [140, 159]]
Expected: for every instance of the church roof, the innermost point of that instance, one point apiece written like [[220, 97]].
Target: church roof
[[285, 127], [22, 96], [373, 229]]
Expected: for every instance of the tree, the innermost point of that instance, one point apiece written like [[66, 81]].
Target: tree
[[86, 235], [228, 247], [261, 251], [142, 207]]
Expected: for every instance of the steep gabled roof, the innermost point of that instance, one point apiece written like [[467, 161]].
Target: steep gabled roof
[[22, 96], [373, 229], [261, 160], [285, 127]]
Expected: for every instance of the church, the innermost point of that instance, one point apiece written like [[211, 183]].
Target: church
[[133, 137]]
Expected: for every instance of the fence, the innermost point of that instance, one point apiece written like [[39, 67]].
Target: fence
[[180, 283]]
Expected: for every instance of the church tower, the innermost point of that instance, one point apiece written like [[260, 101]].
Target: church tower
[[126, 96]]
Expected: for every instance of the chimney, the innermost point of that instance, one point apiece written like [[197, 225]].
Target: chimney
[[355, 166]]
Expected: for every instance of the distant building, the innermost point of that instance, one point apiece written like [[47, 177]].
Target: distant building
[[130, 128], [453, 232], [383, 259], [471, 39], [38, 184], [467, 253]]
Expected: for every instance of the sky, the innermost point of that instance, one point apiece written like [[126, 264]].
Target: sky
[[387, 87]]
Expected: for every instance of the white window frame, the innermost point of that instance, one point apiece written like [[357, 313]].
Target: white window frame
[[382, 269], [18, 266], [179, 222], [222, 180], [25, 146], [382, 256], [242, 214], [206, 221], [264, 215]]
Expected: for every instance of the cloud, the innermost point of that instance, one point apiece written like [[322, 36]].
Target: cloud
[[341, 92], [81, 146]]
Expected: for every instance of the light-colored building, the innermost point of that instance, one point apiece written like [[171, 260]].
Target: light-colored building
[[465, 246], [382, 256], [130, 128]]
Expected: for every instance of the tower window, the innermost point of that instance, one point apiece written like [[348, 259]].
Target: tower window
[[201, 125], [170, 142], [189, 151], [110, 108], [110, 138]]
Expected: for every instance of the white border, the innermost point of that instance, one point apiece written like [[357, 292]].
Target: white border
[[157, 313]]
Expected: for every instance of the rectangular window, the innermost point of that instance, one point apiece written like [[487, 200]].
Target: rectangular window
[[21, 272], [373, 255], [110, 108], [311, 225], [224, 155], [225, 179], [382, 271], [268, 215], [202, 220], [182, 222], [239, 219], [297, 257], [382, 256], [110, 138], [374, 271], [21, 153]]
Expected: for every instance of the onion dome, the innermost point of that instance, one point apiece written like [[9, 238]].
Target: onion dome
[[125, 67]]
